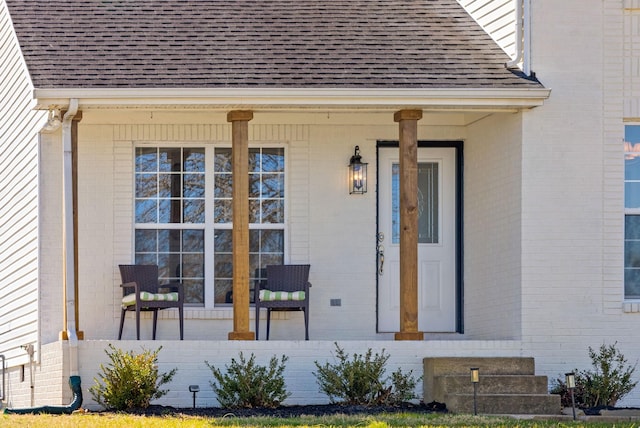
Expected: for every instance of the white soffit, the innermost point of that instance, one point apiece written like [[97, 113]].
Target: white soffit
[[282, 99]]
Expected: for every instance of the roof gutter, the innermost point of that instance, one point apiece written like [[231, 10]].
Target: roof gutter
[[308, 98]]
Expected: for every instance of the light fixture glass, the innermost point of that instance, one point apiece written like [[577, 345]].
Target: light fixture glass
[[357, 174], [570, 380], [475, 374]]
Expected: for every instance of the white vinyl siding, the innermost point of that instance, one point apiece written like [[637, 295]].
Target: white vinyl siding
[[498, 18], [19, 195]]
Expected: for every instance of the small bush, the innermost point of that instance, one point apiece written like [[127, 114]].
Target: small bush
[[608, 382], [130, 381], [360, 380], [247, 384]]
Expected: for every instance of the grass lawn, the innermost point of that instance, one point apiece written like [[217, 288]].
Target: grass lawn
[[103, 420]]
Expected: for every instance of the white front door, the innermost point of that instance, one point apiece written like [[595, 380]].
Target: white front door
[[436, 240]]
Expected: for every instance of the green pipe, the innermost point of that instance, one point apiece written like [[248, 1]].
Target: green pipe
[[74, 384]]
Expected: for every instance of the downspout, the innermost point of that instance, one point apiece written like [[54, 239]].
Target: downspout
[[68, 272], [526, 35], [68, 237], [30, 352], [520, 36]]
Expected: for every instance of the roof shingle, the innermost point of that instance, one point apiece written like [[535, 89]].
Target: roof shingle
[[257, 43]]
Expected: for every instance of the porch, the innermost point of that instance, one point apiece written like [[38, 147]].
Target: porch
[[338, 243]]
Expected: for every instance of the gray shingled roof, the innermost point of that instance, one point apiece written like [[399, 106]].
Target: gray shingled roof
[[257, 43]]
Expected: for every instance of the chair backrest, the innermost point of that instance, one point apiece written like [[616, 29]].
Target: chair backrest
[[287, 277], [146, 276]]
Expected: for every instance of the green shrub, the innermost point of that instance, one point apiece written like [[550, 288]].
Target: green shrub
[[130, 381], [247, 384], [359, 380], [608, 381]]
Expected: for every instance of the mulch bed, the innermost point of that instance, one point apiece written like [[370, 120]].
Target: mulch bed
[[293, 411]]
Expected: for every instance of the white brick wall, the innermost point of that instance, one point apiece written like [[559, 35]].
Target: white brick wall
[[492, 228], [49, 376], [572, 187], [50, 293], [563, 176], [562, 187], [300, 380]]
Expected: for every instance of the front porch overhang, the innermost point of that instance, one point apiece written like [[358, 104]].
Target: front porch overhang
[[265, 99]]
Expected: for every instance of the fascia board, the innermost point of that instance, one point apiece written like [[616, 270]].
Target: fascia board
[[274, 98]]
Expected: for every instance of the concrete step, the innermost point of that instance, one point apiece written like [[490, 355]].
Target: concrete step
[[439, 366], [490, 384], [507, 386], [505, 404], [446, 366]]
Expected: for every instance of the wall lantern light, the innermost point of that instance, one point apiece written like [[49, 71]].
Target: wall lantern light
[[475, 379], [570, 382], [357, 174]]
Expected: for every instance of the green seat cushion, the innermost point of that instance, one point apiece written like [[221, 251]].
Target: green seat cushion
[[145, 296], [271, 296], [166, 297]]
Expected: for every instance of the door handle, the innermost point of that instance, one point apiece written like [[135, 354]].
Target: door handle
[[380, 248]]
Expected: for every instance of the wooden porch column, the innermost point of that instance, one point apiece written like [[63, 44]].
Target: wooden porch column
[[240, 158], [408, 120]]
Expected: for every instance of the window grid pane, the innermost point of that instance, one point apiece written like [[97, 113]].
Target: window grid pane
[[266, 247], [165, 193], [266, 206], [632, 202], [179, 254], [169, 189]]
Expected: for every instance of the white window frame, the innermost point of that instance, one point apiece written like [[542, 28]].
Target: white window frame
[[209, 224]]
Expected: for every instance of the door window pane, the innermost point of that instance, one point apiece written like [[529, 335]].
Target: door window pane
[[428, 200]]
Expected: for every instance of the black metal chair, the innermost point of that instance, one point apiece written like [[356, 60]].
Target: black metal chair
[[141, 292], [285, 289]]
